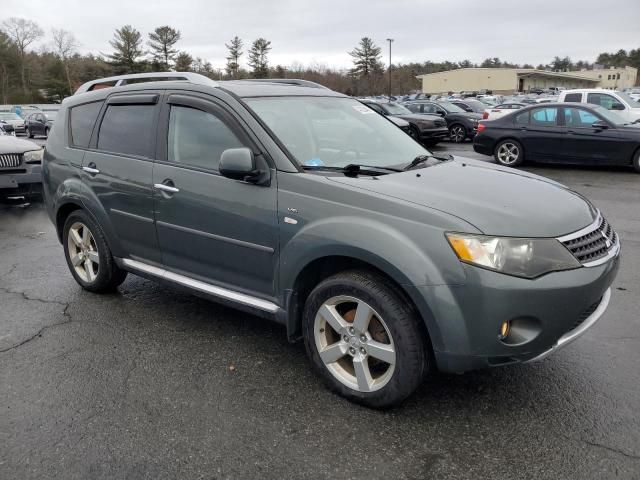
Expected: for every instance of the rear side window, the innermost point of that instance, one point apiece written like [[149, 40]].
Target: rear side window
[[544, 117], [82, 118], [573, 97], [198, 138], [604, 100], [522, 118], [128, 129]]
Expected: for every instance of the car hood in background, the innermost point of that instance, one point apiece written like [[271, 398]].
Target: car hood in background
[[497, 200], [9, 144], [398, 121]]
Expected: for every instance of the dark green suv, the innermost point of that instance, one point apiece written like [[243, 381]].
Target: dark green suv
[[291, 201]]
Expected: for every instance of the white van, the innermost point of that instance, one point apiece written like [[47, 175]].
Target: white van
[[623, 104]]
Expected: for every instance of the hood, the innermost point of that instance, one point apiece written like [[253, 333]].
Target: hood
[[496, 200], [10, 144], [398, 121], [477, 116], [417, 116]]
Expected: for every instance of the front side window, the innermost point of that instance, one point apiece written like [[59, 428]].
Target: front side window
[[198, 138], [544, 117], [82, 119], [604, 100], [334, 132], [128, 129], [576, 117], [413, 107]]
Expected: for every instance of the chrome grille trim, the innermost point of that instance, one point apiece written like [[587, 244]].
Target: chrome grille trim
[[593, 245], [10, 160]]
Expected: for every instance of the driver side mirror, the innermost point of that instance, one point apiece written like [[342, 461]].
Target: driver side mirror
[[241, 164], [600, 125]]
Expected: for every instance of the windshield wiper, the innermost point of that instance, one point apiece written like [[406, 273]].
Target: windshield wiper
[[355, 169], [425, 158]]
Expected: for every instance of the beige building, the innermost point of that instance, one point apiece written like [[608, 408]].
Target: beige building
[[510, 80]]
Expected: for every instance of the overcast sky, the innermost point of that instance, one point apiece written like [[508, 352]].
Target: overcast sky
[[310, 31]]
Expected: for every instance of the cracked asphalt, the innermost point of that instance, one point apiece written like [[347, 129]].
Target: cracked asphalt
[[151, 382]]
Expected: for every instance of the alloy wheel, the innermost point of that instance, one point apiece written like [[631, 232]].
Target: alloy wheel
[[354, 343], [508, 153], [83, 252], [458, 134]]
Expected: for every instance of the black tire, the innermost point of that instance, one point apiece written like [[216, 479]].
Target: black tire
[[457, 133], [506, 159], [403, 325], [414, 133], [109, 275], [636, 161], [46, 132], [28, 132]]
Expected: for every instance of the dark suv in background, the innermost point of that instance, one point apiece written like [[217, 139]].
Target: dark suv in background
[[461, 124], [288, 200]]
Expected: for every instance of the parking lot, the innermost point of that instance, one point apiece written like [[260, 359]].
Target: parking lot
[[155, 383]]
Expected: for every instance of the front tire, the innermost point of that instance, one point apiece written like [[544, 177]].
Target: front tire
[[636, 161], [88, 255], [509, 153], [457, 133], [364, 339], [28, 133]]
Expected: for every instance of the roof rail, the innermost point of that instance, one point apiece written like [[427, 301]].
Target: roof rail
[[287, 81], [121, 80]]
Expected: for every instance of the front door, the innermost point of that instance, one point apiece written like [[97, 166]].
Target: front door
[[543, 136], [209, 227], [118, 169]]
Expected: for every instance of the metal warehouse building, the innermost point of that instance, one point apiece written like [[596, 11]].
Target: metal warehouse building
[[510, 80]]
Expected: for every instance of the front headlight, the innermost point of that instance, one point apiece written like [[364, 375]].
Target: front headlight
[[34, 156], [521, 257]]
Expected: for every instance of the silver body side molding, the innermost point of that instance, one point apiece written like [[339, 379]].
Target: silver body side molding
[[194, 284]]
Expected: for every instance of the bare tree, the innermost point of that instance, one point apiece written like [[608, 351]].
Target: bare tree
[[65, 45], [23, 33]]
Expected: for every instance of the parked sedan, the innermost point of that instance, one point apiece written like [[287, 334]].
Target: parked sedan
[[501, 110], [40, 123], [427, 129], [560, 133], [14, 120], [461, 124]]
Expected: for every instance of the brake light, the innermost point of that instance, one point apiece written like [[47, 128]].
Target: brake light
[[481, 127], [485, 115]]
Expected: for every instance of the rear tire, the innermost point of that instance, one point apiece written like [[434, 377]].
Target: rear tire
[[636, 161], [88, 255], [46, 132], [364, 339], [509, 153]]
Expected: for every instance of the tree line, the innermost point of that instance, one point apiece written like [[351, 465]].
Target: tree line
[[56, 69]]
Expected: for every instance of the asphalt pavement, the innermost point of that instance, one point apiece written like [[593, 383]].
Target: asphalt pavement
[[151, 382]]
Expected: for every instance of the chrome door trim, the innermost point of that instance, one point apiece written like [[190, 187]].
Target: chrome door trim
[[194, 284], [213, 236]]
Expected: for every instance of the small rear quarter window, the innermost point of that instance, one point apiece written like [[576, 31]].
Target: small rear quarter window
[[81, 120]]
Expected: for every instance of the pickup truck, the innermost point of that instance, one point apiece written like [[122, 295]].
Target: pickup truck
[[620, 102]]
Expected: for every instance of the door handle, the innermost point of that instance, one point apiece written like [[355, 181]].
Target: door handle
[[570, 131], [91, 169], [165, 188]]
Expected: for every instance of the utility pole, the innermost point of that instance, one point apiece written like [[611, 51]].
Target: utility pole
[[390, 40]]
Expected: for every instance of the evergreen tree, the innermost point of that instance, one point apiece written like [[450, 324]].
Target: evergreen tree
[[258, 58], [162, 41], [127, 43], [183, 62], [235, 52], [366, 58]]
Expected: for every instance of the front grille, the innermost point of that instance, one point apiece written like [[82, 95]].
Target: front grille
[[593, 244], [584, 315], [10, 160], [440, 123]]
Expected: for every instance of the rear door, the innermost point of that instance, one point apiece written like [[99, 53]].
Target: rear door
[[212, 228], [542, 137], [118, 168], [585, 144]]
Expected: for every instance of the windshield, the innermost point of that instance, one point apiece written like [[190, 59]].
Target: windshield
[[335, 132], [395, 109], [9, 116], [610, 115], [632, 103], [450, 107]]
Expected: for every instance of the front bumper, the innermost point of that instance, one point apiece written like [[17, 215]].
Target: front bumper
[[466, 319], [440, 133], [25, 180]]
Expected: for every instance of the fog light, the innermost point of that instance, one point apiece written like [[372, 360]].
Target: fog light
[[504, 330]]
